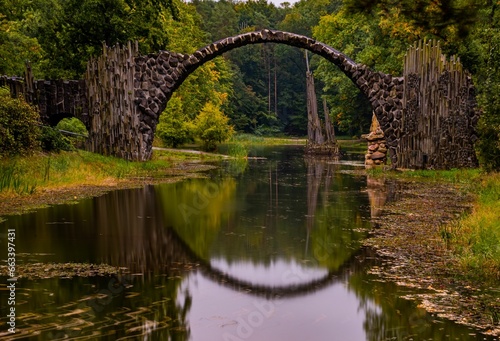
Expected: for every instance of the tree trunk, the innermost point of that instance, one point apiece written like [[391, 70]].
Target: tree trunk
[[314, 134], [330, 132]]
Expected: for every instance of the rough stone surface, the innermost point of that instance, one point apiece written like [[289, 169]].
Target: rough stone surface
[[55, 99], [377, 149]]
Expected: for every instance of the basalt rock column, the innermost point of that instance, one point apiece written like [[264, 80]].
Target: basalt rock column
[[440, 111], [116, 125]]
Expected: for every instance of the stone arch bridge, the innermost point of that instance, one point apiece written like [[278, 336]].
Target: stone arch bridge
[[124, 94]]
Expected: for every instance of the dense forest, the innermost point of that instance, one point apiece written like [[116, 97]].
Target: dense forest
[[260, 88]]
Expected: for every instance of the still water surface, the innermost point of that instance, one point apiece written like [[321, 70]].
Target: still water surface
[[268, 249]]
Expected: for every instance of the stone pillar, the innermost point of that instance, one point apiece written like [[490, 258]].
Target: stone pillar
[[377, 149]]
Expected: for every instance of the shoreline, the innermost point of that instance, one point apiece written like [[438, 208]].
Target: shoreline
[[408, 238], [416, 211], [67, 194]]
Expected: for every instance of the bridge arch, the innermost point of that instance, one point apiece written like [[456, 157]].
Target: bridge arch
[[158, 75]]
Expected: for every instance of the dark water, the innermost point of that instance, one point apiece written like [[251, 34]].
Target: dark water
[[261, 250]]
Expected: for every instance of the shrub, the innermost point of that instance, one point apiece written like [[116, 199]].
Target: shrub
[[212, 126], [174, 128], [73, 125], [52, 140], [76, 126], [19, 126]]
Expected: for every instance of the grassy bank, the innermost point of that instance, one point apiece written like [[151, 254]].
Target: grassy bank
[[353, 146], [29, 181], [265, 140], [474, 238]]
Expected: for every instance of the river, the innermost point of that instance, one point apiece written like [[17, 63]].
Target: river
[[264, 249]]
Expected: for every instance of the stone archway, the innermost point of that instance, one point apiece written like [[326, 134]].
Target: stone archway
[[152, 79]]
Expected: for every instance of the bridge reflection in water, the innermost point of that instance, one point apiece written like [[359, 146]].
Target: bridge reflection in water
[[270, 252]]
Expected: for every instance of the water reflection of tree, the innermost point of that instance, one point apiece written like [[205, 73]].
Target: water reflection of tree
[[198, 209], [335, 223], [134, 235], [123, 229], [318, 169]]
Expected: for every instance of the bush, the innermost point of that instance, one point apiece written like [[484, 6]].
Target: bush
[[73, 125], [174, 129], [19, 126], [212, 126], [52, 140], [76, 126]]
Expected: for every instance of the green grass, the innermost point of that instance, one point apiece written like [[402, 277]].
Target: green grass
[[26, 175], [463, 177], [250, 139], [239, 145], [238, 149], [353, 146], [12, 179], [476, 237]]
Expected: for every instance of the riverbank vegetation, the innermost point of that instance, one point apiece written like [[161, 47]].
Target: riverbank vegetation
[[476, 237], [473, 237], [27, 182], [416, 237]]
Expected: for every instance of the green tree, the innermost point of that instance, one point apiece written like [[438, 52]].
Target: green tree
[[220, 19], [300, 19], [174, 128], [70, 31], [446, 19], [357, 36], [76, 126], [480, 53], [212, 126], [16, 45], [465, 27], [210, 83], [51, 140]]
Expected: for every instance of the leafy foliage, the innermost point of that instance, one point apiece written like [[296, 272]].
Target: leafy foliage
[[175, 128], [355, 36], [51, 140], [482, 53], [19, 130], [441, 18], [73, 125], [16, 47], [261, 88], [212, 126]]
